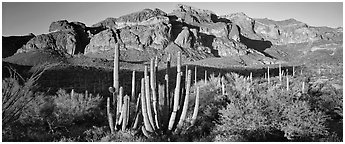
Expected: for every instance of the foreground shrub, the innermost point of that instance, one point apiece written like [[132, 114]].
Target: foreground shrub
[[49, 118], [211, 100], [16, 96], [61, 109], [264, 112]]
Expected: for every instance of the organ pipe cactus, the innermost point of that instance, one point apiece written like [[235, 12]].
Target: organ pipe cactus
[[147, 124], [156, 114], [133, 86], [186, 100], [196, 107]]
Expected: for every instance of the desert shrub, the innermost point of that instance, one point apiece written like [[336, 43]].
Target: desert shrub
[[96, 134], [268, 112], [62, 108], [16, 96], [211, 100], [77, 107], [59, 115], [102, 134], [17, 93], [326, 98]]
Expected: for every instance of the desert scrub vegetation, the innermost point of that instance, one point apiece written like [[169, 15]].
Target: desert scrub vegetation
[[269, 112], [221, 107], [29, 115]]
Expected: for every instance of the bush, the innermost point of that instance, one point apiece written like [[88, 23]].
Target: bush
[[16, 96], [211, 100], [61, 109], [49, 118], [268, 112]]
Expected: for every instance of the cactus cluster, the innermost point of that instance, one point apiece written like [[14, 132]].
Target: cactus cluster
[[157, 112]]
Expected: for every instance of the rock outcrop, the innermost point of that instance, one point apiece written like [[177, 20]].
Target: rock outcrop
[[218, 29], [245, 24], [193, 16], [81, 29], [146, 28], [64, 37], [102, 42], [184, 39], [281, 32], [226, 47], [65, 25], [144, 17], [62, 41]]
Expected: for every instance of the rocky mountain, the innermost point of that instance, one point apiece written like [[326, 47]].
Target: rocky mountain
[[281, 32], [197, 33]]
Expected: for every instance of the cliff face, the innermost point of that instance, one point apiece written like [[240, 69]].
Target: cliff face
[[197, 33]]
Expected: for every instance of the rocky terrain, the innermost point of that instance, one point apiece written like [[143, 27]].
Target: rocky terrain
[[235, 39], [234, 54]]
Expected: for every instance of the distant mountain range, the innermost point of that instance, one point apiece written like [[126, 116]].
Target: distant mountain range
[[141, 35]]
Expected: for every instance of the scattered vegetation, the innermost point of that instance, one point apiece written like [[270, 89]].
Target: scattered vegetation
[[231, 107]]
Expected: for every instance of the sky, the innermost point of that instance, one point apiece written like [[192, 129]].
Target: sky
[[19, 18]]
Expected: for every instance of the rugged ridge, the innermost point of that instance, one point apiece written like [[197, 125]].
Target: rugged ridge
[[197, 33]]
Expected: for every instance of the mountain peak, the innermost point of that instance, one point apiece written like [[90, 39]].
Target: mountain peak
[[187, 8], [142, 15]]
